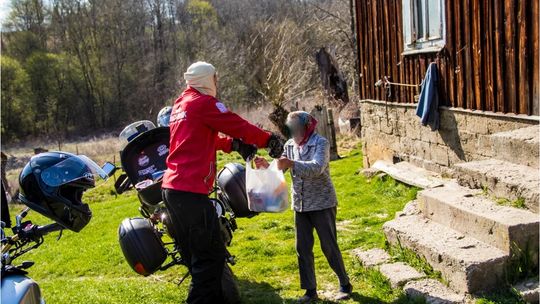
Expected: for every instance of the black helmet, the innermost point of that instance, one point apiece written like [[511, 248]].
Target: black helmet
[[53, 183], [231, 181]]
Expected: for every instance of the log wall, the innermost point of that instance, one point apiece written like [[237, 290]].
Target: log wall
[[490, 61]]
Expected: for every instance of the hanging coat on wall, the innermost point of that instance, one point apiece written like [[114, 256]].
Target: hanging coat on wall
[[428, 104]]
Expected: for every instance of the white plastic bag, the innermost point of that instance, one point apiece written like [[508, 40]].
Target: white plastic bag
[[266, 189]]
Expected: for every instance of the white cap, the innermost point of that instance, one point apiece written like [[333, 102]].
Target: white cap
[[200, 76]]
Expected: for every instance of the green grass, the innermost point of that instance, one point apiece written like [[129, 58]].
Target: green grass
[[88, 267], [402, 254], [517, 203]]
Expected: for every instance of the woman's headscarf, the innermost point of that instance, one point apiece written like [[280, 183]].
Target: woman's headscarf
[[200, 76], [298, 121]]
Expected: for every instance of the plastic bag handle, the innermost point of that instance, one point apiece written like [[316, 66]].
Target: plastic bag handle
[[248, 164], [273, 165]]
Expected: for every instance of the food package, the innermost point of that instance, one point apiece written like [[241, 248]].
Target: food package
[[266, 189]]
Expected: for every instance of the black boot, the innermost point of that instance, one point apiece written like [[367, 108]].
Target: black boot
[[345, 292], [309, 297]]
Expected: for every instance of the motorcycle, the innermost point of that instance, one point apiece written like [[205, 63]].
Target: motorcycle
[[65, 177], [17, 287], [148, 242]]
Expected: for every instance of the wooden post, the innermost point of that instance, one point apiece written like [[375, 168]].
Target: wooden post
[[332, 132], [326, 128]]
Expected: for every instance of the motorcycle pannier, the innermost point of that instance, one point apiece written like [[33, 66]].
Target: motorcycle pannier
[[232, 182], [141, 245]]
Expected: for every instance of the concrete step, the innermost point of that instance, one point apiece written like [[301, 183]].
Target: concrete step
[[475, 215], [528, 290], [371, 257], [414, 283], [409, 174], [502, 179], [519, 146], [400, 273], [433, 292], [468, 265]]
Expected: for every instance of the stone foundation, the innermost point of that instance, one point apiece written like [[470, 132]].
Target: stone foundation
[[392, 131]]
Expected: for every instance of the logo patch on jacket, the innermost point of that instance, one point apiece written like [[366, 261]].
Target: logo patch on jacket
[[221, 107], [177, 115]]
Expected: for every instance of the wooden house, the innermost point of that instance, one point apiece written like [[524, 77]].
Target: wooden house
[[487, 56]]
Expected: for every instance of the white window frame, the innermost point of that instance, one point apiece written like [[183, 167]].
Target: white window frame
[[411, 22]]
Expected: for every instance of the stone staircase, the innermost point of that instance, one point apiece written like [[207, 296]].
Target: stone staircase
[[478, 217], [519, 146], [503, 179], [465, 236], [475, 227]]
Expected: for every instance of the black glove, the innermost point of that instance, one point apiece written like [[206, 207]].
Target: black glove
[[245, 150], [275, 146]]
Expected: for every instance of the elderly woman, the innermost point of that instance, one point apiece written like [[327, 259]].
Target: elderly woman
[[314, 200]]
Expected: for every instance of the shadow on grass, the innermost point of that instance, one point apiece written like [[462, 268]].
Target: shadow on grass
[[359, 298], [402, 299], [260, 292]]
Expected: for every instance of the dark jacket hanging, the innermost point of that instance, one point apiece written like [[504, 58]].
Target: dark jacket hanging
[[428, 104]]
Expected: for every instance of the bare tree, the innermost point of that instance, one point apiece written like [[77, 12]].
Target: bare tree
[[285, 65], [121, 60], [336, 21]]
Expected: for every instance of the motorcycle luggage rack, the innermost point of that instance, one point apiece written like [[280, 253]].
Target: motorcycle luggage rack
[[175, 256]]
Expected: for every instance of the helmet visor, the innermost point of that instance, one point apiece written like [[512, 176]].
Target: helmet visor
[[136, 128], [71, 169]]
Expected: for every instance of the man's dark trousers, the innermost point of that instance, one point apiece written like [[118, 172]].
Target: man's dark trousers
[[196, 229]]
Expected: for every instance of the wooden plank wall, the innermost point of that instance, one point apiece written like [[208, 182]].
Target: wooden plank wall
[[490, 61]]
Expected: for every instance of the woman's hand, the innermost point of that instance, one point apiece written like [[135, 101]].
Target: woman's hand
[[284, 163], [261, 162]]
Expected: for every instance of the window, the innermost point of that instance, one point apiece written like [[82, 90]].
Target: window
[[423, 25]]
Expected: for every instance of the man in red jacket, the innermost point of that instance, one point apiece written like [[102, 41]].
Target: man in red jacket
[[196, 121]]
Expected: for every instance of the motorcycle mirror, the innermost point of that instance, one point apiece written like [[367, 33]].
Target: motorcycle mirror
[[109, 168], [26, 265], [21, 216], [122, 184]]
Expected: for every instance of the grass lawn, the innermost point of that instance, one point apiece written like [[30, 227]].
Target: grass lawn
[[88, 267]]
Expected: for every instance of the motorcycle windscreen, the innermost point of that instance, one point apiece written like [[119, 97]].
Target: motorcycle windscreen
[[71, 169]]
